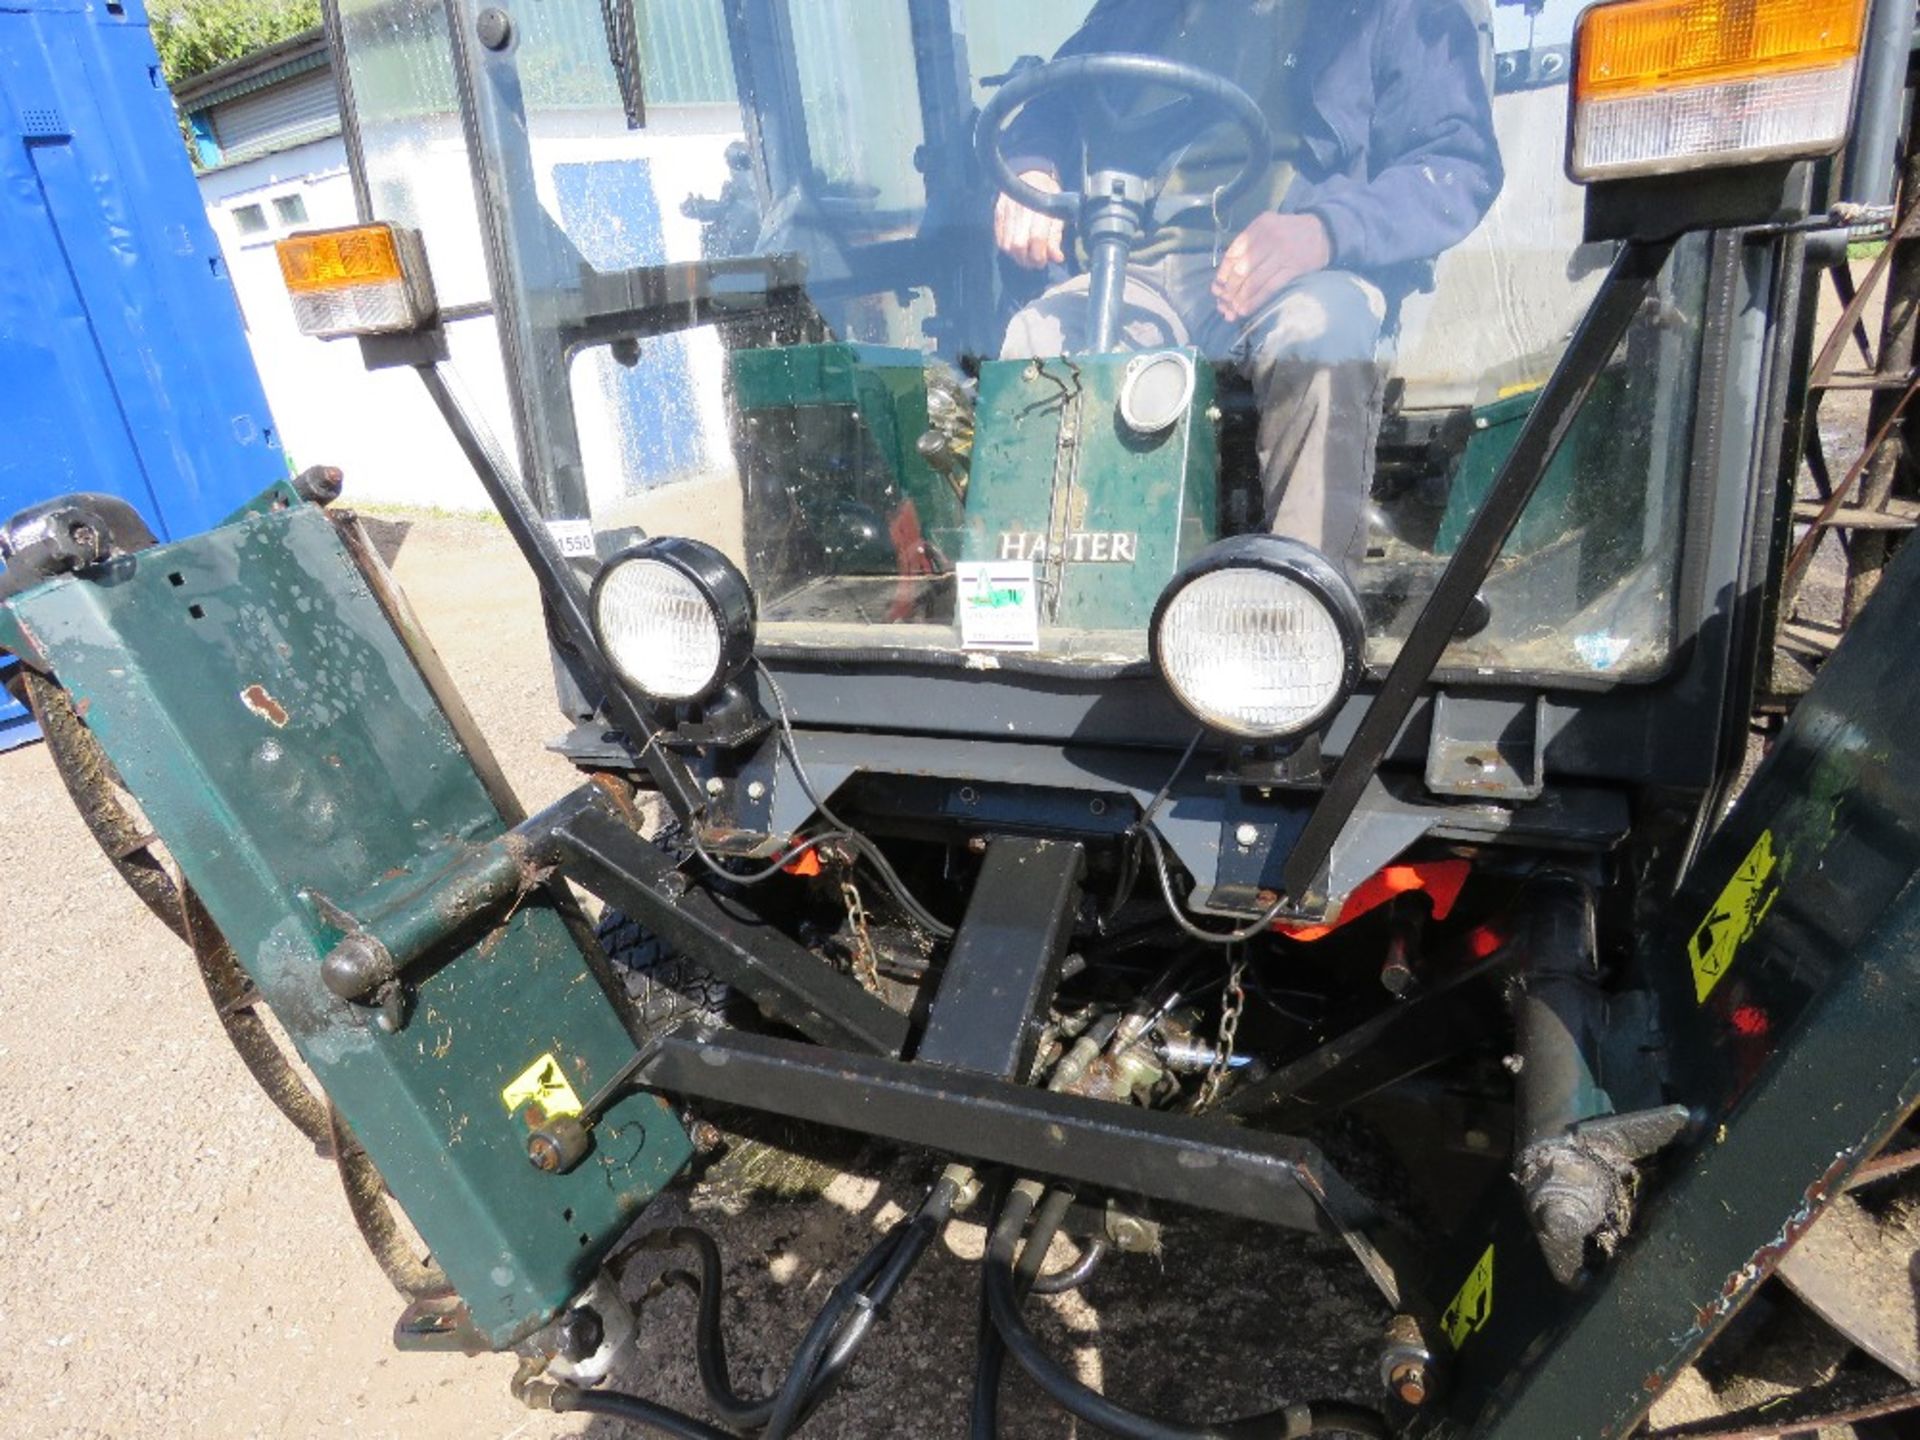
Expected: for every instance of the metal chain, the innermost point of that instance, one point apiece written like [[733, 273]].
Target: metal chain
[[866, 966], [1233, 1000]]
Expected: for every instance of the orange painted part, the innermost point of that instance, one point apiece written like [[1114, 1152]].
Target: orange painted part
[[1441, 880], [804, 866]]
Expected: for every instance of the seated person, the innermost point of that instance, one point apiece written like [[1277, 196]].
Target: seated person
[[1384, 157]]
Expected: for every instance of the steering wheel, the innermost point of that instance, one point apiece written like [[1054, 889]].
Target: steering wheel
[[1113, 204]]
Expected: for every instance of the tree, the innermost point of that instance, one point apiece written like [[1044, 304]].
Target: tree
[[195, 36]]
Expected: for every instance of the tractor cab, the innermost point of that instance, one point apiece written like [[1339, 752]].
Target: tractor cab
[[832, 407], [741, 264]]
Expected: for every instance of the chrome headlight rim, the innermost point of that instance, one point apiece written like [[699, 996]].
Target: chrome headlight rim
[[1312, 571], [1148, 423], [718, 581]]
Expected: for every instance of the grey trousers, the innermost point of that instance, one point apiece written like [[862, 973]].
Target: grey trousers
[[1313, 356]]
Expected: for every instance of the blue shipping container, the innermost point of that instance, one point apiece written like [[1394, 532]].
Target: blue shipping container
[[123, 363]]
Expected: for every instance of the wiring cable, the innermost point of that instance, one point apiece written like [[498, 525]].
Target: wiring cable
[[872, 853], [1143, 830], [841, 831]]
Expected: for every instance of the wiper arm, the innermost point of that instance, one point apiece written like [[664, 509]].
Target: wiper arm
[[623, 49]]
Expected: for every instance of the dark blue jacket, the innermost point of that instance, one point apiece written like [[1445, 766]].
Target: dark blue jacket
[[1398, 159]]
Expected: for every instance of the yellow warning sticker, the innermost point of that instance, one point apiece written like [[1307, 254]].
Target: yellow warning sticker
[[1473, 1306], [1748, 896], [544, 1084]]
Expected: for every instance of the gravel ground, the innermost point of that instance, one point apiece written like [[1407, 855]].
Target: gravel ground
[[180, 1263]]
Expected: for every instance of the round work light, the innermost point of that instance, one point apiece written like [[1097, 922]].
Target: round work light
[[1260, 637], [675, 617]]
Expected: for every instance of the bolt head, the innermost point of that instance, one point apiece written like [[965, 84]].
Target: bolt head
[[716, 786], [1247, 836], [1409, 1382], [756, 790], [580, 1334], [493, 28]]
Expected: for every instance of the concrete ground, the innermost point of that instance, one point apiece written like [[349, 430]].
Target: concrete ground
[[178, 1262]]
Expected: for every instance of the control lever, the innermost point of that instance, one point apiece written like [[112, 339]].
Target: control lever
[[561, 1143]]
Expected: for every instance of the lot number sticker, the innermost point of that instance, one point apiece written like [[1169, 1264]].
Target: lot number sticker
[[999, 605]]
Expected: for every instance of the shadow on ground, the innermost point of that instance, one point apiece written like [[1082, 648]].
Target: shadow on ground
[[387, 536]]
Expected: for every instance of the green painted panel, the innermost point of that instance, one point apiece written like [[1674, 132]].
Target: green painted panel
[[253, 696], [1575, 482], [1111, 516], [848, 420]]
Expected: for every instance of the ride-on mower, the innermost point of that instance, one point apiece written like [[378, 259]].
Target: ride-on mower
[[979, 751]]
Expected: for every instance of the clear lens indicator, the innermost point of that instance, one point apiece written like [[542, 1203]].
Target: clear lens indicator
[[659, 629], [369, 309], [1252, 652]]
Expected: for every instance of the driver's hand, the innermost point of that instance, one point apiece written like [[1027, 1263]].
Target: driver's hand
[[1265, 258], [1032, 240]]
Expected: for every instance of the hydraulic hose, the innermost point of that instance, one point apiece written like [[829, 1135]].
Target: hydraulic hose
[[660, 1419], [1075, 1275], [998, 1286], [832, 1340], [710, 1353], [989, 1362], [829, 1353]]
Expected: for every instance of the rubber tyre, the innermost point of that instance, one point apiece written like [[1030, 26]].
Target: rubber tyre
[[666, 988]]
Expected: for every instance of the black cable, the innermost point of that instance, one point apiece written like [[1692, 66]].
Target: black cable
[[833, 1338], [801, 1377], [833, 1352], [1075, 1275], [997, 1283], [990, 1358], [710, 1353], [636, 1411], [710, 1347], [1160, 796], [1143, 830], [1130, 865], [773, 867], [1177, 911], [938, 929]]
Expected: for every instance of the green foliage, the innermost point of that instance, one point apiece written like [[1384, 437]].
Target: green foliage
[[194, 36]]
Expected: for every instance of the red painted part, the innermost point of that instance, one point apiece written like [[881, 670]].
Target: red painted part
[[1440, 880]]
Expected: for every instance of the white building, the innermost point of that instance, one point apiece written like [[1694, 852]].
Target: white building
[[271, 160]]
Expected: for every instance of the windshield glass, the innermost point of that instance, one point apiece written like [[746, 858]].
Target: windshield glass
[[1243, 265]]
